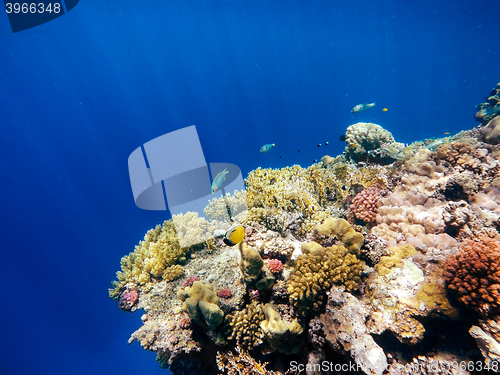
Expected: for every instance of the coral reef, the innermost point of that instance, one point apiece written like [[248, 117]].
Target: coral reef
[[412, 212]]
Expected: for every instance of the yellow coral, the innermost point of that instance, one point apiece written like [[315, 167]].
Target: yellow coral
[[280, 334], [245, 324], [398, 253], [317, 269], [343, 231], [202, 304], [228, 206]]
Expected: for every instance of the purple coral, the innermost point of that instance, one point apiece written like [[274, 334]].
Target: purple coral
[[254, 295], [128, 299]]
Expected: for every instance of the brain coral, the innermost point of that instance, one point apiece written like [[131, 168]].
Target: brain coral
[[317, 269], [474, 274]]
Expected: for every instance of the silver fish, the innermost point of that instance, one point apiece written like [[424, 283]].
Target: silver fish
[[362, 107]]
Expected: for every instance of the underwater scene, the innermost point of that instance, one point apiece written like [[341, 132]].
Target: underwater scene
[[250, 187]]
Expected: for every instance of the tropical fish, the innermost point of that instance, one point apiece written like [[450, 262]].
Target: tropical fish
[[234, 235], [218, 180], [319, 145], [362, 107], [267, 147], [342, 138], [385, 109], [488, 111], [326, 143], [447, 133]]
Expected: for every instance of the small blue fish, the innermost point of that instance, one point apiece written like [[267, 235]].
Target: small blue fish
[[362, 107], [267, 147], [218, 180]]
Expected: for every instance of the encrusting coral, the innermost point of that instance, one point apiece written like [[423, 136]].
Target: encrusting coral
[[280, 334]]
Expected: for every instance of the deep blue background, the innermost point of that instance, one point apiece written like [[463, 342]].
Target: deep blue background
[[79, 94]]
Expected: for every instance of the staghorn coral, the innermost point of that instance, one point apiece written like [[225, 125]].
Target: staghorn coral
[[343, 231], [202, 304], [280, 334], [317, 269], [364, 205], [245, 325], [474, 274]]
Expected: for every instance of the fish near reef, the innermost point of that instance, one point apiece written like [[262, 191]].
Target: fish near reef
[[362, 107], [234, 235], [267, 147], [218, 180]]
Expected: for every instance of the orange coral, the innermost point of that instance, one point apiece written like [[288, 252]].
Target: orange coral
[[474, 274], [364, 204]]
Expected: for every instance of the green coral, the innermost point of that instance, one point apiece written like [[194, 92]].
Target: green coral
[[202, 304], [255, 274], [317, 269], [245, 325], [280, 334]]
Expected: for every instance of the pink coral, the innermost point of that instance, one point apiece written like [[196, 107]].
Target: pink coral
[[364, 204], [225, 293], [474, 274], [184, 322], [128, 299], [254, 295], [190, 280], [274, 265]]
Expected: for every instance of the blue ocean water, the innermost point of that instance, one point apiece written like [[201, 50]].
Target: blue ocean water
[[80, 93]]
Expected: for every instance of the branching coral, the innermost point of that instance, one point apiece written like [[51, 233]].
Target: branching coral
[[474, 274], [317, 269], [364, 204], [245, 325], [152, 258], [222, 209]]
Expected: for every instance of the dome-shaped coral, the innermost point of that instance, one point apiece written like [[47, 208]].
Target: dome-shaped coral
[[364, 204]]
